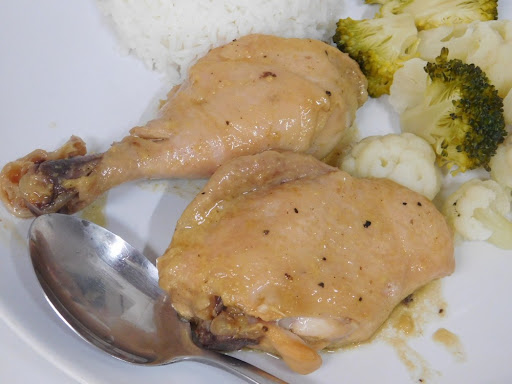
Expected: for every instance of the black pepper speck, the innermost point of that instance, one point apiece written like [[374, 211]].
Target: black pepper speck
[[267, 74], [409, 299]]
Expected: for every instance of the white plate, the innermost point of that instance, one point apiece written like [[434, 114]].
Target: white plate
[[61, 74]]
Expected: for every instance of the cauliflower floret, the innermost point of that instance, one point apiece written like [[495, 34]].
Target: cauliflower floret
[[404, 158], [507, 108], [434, 13], [501, 164], [409, 85], [476, 40], [477, 211]]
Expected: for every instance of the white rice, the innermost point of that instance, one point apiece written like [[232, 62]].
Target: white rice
[[171, 35]]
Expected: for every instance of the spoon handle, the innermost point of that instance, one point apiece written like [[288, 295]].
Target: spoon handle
[[239, 368]]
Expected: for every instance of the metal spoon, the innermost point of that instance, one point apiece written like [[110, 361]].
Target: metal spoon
[[108, 293]]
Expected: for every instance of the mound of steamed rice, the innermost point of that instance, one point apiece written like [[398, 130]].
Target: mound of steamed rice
[[170, 35]]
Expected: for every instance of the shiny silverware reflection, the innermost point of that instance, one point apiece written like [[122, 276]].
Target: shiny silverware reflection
[[108, 293]]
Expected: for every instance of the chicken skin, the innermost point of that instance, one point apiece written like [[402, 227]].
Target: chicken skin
[[284, 253], [257, 93]]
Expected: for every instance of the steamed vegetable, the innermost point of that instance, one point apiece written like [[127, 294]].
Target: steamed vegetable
[[380, 47], [485, 44], [501, 164], [460, 113], [434, 13], [406, 159], [477, 211]]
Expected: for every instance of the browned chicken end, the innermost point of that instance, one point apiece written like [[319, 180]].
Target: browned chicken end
[[284, 253]]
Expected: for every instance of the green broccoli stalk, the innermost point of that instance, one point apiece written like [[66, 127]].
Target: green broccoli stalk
[[380, 47], [435, 13], [460, 115]]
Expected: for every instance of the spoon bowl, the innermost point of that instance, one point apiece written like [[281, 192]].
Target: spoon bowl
[[108, 293]]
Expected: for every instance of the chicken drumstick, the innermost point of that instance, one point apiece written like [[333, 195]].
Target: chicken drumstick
[[256, 93]]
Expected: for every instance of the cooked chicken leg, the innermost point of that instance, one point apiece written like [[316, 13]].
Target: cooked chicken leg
[[256, 93], [284, 253]]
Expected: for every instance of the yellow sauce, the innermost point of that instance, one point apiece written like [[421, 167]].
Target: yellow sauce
[[406, 322], [185, 189], [350, 136], [451, 342], [95, 212]]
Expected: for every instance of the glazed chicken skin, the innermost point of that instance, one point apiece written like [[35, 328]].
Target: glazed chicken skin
[[257, 93], [284, 253]]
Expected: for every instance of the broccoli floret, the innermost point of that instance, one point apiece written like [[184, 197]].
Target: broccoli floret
[[380, 46], [434, 13], [461, 115]]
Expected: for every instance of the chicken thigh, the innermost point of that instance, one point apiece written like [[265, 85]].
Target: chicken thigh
[[284, 253], [256, 93]]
